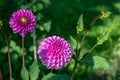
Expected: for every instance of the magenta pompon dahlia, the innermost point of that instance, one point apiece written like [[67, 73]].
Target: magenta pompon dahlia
[[55, 52], [22, 22]]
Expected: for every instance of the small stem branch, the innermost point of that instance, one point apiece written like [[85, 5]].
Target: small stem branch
[[92, 23], [83, 39], [92, 48], [23, 61], [34, 43], [85, 34], [9, 60], [81, 43], [73, 71]]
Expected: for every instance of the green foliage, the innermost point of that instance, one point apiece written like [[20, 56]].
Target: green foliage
[[80, 24], [103, 38], [96, 62], [73, 42], [63, 16], [51, 76], [1, 24], [15, 47], [100, 63], [24, 73], [46, 2], [36, 8], [88, 59], [105, 14], [12, 79], [4, 50], [116, 50], [46, 26], [34, 71], [48, 76]]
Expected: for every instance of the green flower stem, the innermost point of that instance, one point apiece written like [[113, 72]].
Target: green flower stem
[[23, 61], [73, 72], [9, 60], [34, 43], [51, 71], [77, 47]]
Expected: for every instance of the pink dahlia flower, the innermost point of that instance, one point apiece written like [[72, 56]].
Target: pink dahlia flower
[[55, 52], [22, 22]]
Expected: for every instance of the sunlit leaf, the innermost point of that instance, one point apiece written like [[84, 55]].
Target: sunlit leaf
[[100, 63], [73, 43], [51, 76], [103, 38], [105, 14], [48, 76], [34, 70], [24, 73], [80, 24], [96, 62], [47, 26]]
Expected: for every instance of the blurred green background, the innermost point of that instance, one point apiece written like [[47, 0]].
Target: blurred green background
[[59, 17]]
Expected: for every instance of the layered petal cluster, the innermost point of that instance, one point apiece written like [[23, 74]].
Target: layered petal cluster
[[22, 22], [55, 52]]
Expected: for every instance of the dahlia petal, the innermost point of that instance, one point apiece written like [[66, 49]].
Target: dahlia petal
[[54, 52]]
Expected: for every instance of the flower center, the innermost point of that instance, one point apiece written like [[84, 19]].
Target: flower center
[[23, 19]]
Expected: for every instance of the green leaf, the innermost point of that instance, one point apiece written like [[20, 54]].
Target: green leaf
[[51, 76], [15, 47], [34, 71], [47, 26], [100, 63], [87, 59], [103, 38], [46, 2], [80, 24], [48, 76], [96, 62], [12, 79], [24, 73], [105, 14], [1, 24], [34, 8], [73, 42], [39, 6], [4, 50]]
